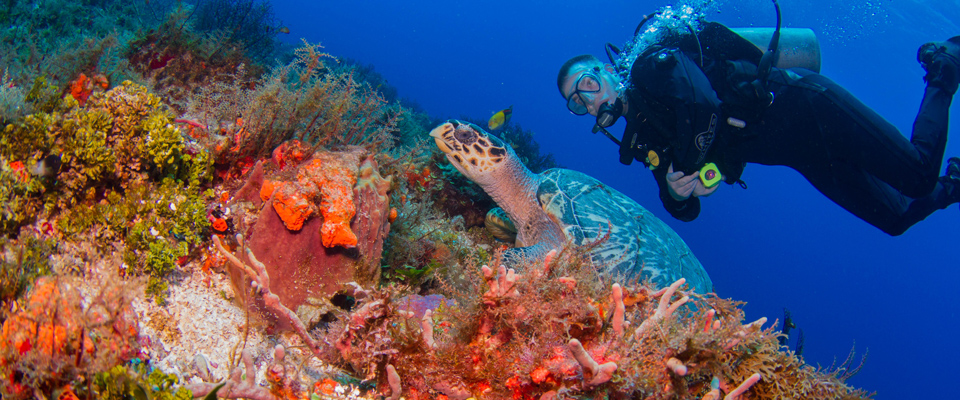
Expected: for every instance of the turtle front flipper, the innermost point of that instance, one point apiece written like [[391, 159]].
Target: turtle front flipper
[[499, 225], [518, 256]]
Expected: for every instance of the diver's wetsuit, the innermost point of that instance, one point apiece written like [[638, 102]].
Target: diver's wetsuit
[[846, 150]]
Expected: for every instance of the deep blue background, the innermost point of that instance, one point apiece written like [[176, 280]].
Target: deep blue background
[[777, 244]]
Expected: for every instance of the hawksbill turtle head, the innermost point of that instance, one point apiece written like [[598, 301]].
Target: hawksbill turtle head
[[478, 155]]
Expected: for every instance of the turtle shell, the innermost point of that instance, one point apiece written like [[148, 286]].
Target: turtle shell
[[639, 244]]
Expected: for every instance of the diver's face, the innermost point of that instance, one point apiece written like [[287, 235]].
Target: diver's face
[[587, 88]]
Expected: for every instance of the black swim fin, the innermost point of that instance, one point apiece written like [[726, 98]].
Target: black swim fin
[[941, 60]]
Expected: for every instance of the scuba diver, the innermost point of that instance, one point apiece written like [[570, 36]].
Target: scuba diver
[[701, 101]]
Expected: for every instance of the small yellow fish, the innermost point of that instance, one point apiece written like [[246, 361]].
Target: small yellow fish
[[500, 118]]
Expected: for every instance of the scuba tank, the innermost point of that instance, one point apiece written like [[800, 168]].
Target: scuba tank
[[785, 47], [799, 47]]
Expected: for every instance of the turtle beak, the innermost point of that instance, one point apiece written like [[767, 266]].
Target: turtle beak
[[441, 134]]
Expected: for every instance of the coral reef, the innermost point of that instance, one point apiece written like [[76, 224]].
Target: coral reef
[[185, 50], [553, 333], [137, 380], [121, 137], [372, 222], [323, 185], [249, 25], [345, 264], [12, 99], [122, 172], [21, 264], [62, 39], [170, 45], [58, 337]]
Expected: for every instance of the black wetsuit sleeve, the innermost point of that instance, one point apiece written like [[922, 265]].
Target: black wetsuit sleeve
[[673, 101], [687, 210]]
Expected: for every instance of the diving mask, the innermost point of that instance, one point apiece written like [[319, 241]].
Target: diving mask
[[587, 86]]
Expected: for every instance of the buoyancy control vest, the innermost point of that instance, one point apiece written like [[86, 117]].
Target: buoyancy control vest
[[680, 112], [678, 97]]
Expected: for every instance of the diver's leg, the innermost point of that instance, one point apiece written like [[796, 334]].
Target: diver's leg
[[876, 202], [856, 134], [799, 130], [941, 60]]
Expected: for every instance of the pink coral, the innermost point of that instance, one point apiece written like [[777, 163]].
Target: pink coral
[[543, 335]]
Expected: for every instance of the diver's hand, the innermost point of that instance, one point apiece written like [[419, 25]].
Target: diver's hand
[[681, 187], [703, 191]]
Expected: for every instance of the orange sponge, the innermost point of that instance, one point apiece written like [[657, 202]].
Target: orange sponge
[[333, 176], [266, 191], [324, 186], [293, 206]]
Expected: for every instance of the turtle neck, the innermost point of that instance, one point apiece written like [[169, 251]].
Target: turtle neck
[[514, 188]]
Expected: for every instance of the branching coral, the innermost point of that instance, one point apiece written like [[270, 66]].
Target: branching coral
[[553, 333], [240, 385], [261, 281]]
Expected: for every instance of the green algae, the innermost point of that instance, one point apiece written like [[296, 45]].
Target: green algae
[[128, 176]]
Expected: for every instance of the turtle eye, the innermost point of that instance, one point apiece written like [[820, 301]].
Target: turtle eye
[[466, 135]]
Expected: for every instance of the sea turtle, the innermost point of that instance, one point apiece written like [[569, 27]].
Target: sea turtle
[[558, 205]]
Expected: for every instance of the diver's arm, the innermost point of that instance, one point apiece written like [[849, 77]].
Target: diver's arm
[[686, 210]]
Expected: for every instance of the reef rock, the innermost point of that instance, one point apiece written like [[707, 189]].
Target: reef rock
[[322, 229]]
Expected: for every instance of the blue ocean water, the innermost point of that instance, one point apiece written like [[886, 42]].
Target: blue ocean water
[[780, 243]]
